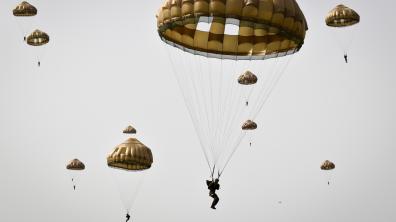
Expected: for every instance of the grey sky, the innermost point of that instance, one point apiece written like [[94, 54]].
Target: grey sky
[[105, 67]]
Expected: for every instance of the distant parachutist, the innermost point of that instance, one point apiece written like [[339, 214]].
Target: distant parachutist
[[38, 63], [346, 58], [75, 165], [128, 217], [247, 103]]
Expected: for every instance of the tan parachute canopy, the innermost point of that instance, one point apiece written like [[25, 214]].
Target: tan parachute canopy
[[248, 78], [267, 29], [129, 130], [131, 155], [75, 165], [342, 16], [249, 125], [327, 165], [37, 38], [24, 9]]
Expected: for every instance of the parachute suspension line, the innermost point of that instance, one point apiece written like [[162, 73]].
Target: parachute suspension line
[[351, 39], [219, 105], [227, 114], [271, 87], [222, 113], [141, 180], [264, 87], [189, 108], [235, 122], [205, 110], [232, 153], [207, 101], [194, 78], [128, 198], [212, 171], [212, 85], [344, 37], [198, 80]]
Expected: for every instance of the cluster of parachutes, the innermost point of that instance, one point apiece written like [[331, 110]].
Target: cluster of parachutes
[[227, 56], [24, 13], [129, 161]]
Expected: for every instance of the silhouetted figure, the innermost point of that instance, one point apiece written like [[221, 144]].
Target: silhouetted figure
[[247, 103], [250, 143], [74, 187], [38, 63], [213, 186], [128, 217], [328, 182], [24, 38], [346, 58], [72, 179]]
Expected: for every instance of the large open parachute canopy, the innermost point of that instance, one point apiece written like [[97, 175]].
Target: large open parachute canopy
[[131, 155], [342, 16], [75, 164], [37, 38], [24, 9], [218, 50], [265, 29]]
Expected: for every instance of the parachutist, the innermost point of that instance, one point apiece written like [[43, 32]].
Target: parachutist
[[74, 187], [213, 186], [346, 58], [328, 183], [247, 103], [38, 63], [24, 38], [250, 144], [128, 217]]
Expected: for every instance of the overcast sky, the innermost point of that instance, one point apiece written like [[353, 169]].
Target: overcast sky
[[105, 67]]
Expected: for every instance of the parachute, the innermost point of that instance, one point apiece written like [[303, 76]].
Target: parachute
[[24, 9], [327, 166], [129, 130], [342, 16], [129, 162], [23, 13], [209, 44], [249, 125], [131, 155], [75, 167], [343, 20], [248, 78], [38, 39], [75, 164]]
